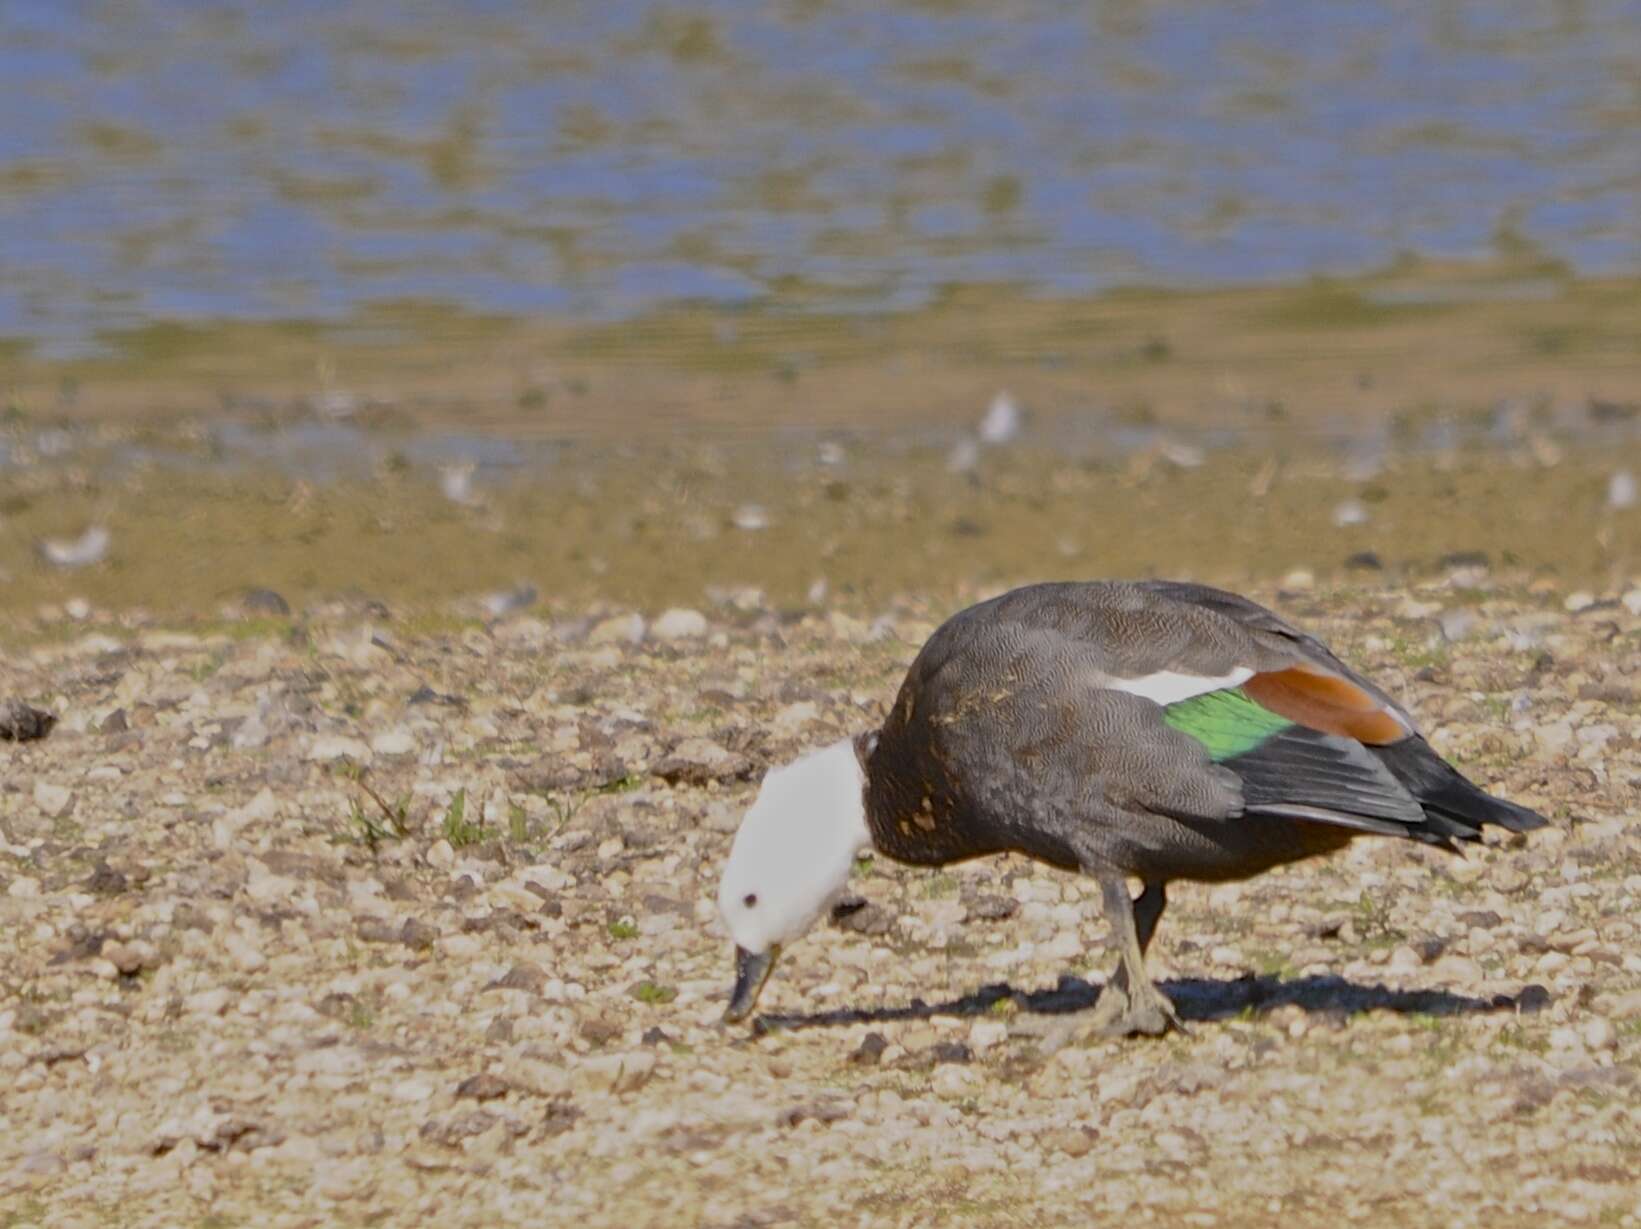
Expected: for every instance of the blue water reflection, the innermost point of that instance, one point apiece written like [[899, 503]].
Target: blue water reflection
[[302, 159]]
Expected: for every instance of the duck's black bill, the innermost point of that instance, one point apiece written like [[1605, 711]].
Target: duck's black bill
[[751, 972]]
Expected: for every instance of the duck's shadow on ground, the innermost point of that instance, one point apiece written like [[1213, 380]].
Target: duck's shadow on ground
[[1194, 998]]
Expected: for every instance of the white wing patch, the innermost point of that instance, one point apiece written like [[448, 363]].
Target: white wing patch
[[1168, 687]]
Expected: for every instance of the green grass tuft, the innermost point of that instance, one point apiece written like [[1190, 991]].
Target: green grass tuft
[[457, 828], [373, 827]]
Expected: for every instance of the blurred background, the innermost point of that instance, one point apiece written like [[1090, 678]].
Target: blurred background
[[649, 302]]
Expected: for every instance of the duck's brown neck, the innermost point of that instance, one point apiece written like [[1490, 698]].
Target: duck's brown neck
[[907, 822]]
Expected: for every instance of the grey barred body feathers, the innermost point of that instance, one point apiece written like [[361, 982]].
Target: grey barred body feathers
[[1124, 730]]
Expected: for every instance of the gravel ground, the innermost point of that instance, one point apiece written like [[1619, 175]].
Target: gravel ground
[[349, 919]]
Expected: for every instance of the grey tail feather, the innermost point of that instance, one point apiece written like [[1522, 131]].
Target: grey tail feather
[[1356, 823], [1307, 775], [1453, 805], [1308, 768]]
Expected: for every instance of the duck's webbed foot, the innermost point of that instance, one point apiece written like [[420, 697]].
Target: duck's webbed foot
[[1130, 1003], [1122, 1011]]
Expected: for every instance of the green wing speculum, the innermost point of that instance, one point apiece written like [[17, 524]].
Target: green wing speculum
[[1291, 770], [1226, 722]]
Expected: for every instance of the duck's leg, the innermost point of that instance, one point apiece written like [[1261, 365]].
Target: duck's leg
[[1148, 907], [1129, 1002]]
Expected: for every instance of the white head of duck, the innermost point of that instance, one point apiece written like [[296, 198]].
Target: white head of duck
[[790, 861]]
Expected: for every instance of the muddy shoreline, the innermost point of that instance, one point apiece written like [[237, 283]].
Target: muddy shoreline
[[673, 527]]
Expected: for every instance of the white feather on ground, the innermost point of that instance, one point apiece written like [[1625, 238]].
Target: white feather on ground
[[1621, 490], [89, 548], [1002, 422], [456, 481]]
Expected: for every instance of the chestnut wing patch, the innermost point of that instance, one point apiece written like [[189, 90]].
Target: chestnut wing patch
[[1328, 703], [1295, 770]]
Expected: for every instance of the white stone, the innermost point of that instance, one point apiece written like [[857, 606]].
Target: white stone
[[794, 717], [617, 629], [986, 1033], [246, 955], [260, 809], [544, 1079], [460, 947], [1626, 1006], [1183, 454], [700, 751], [251, 734], [548, 876], [131, 957], [212, 1002], [393, 742], [1456, 624], [328, 747], [1599, 1034], [1349, 513], [1596, 735], [1063, 946], [679, 624], [954, 1081], [54, 801], [1555, 737], [267, 889], [513, 896], [1002, 422], [258, 812], [1621, 490], [751, 518], [412, 1090], [1457, 970]]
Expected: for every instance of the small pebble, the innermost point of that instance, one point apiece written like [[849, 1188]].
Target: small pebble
[[1621, 490], [679, 624], [1350, 513], [1599, 1034], [751, 518], [54, 801]]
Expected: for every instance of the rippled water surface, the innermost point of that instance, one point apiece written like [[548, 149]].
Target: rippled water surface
[[210, 160]]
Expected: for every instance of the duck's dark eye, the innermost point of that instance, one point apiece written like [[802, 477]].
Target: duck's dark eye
[[750, 900]]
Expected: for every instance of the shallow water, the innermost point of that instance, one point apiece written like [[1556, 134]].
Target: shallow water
[[231, 160]]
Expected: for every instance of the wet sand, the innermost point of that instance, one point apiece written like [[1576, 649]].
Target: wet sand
[[1395, 420], [675, 530], [1288, 361]]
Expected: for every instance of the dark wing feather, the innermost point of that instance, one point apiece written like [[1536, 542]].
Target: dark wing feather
[[1309, 768], [1448, 797], [1304, 774]]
